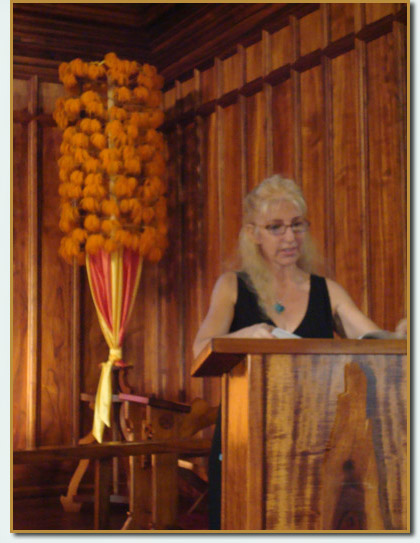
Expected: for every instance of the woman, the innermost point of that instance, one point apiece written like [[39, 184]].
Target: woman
[[275, 288]]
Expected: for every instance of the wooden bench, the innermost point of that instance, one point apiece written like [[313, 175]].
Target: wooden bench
[[102, 455]]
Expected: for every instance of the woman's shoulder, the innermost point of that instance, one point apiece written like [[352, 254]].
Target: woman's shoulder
[[226, 286]]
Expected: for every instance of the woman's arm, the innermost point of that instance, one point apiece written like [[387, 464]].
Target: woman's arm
[[220, 315], [352, 321]]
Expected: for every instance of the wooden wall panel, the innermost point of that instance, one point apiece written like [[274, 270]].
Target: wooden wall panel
[[20, 281], [256, 140], [282, 127], [254, 63], [342, 20], [232, 193], [385, 191], [56, 321], [231, 73], [313, 153], [310, 32], [281, 47], [348, 187]]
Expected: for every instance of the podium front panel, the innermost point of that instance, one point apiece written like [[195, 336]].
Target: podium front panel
[[315, 442]]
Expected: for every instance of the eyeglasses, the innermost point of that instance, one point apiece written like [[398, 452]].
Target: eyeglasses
[[279, 229]]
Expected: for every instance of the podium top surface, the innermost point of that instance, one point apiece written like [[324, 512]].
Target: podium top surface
[[222, 353]]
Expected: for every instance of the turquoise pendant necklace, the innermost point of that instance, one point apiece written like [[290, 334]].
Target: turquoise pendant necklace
[[279, 307]]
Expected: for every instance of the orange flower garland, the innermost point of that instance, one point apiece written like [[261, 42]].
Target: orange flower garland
[[112, 168]]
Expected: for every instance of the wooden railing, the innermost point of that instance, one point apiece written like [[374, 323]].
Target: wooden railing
[[102, 455]]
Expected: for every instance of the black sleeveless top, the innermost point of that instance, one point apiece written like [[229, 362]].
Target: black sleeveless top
[[318, 319]]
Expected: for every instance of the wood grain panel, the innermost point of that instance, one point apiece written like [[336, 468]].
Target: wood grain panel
[[296, 443], [256, 141], [281, 47], [56, 307], [310, 32], [192, 247], [234, 463], [313, 153], [349, 251], [375, 11], [169, 101], [20, 281], [388, 226], [171, 298], [342, 20], [232, 73], [254, 64], [282, 123], [232, 180], [188, 94], [208, 84], [48, 94], [20, 94]]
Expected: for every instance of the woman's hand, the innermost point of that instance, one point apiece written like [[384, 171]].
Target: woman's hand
[[401, 328], [260, 330]]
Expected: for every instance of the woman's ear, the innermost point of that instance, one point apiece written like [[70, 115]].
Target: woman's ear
[[253, 232]]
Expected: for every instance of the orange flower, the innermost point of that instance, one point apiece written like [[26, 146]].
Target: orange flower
[[63, 70], [122, 94], [108, 226], [94, 179], [90, 204], [72, 106], [80, 140], [124, 186], [156, 118], [156, 167], [63, 175], [110, 246], [139, 119], [98, 140], [146, 152], [132, 165], [117, 113], [113, 167], [92, 223], [80, 155], [149, 70], [94, 243], [91, 165], [141, 94], [95, 108], [78, 67], [132, 133], [110, 59], [77, 177], [158, 81], [69, 81], [107, 155], [79, 235], [123, 237], [69, 133], [110, 208], [148, 214], [65, 148], [66, 162], [94, 190], [128, 151]]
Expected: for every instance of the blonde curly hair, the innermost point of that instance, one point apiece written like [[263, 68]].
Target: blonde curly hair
[[252, 261]]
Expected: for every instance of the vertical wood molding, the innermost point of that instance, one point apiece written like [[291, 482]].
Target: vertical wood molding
[[297, 116], [256, 440], [360, 17], [401, 62], [220, 159], [268, 102], [181, 289], [33, 395], [329, 144], [243, 121], [75, 352]]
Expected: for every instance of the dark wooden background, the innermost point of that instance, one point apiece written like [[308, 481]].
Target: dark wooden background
[[316, 92]]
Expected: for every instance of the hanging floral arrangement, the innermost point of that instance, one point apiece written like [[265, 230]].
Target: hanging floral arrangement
[[112, 165], [112, 186]]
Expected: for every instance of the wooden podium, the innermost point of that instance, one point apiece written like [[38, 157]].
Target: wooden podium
[[314, 433]]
